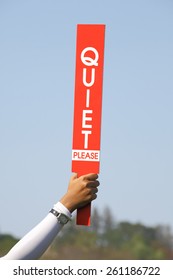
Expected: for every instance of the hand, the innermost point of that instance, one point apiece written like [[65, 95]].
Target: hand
[[80, 191]]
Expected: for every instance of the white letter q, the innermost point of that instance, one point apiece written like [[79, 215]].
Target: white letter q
[[88, 60]]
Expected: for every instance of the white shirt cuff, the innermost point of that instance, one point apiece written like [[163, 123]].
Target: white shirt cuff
[[59, 207]]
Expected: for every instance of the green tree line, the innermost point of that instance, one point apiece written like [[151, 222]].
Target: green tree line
[[106, 239]]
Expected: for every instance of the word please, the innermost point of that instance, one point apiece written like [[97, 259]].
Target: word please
[[86, 155]]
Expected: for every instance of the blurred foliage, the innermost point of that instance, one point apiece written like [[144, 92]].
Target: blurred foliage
[[6, 243], [106, 239]]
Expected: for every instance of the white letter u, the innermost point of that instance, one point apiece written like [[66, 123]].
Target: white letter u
[[85, 78]]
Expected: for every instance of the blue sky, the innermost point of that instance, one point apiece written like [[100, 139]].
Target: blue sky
[[37, 63]]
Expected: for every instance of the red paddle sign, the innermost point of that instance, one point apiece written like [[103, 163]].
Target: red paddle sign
[[87, 105]]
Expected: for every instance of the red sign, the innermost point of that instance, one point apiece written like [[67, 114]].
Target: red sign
[[87, 105]]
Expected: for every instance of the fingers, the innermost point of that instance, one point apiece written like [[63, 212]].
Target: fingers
[[87, 177], [93, 190], [81, 190], [90, 180], [90, 176], [93, 196], [93, 184]]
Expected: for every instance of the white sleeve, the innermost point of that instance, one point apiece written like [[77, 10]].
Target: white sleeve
[[35, 242]]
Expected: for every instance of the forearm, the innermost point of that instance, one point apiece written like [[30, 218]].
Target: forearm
[[81, 191], [35, 243]]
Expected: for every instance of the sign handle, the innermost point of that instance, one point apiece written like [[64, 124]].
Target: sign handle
[[84, 215]]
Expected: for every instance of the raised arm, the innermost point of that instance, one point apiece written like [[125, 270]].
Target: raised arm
[[80, 192]]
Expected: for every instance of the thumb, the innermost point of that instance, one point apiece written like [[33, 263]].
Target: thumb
[[74, 176]]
